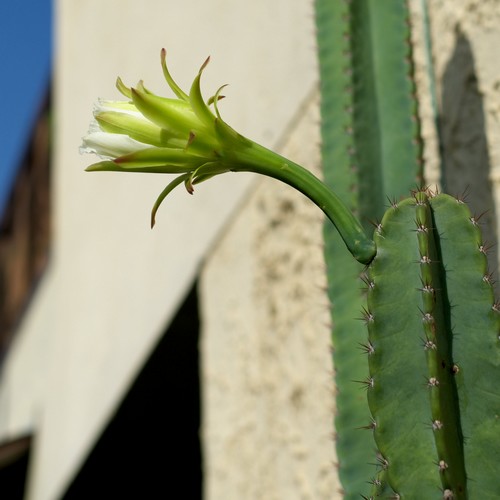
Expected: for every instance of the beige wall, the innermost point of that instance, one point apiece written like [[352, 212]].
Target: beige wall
[[266, 361]]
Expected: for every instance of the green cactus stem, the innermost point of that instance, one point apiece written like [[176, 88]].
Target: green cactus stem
[[433, 352], [371, 151]]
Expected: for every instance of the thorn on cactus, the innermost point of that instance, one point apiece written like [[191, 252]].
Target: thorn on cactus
[[375, 481], [488, 278], [442, 466], [370, 284], [483, 249], [393, 203], [370, 427], [437, 425], [368, 383], [427, 318], [475, 219], [462, 198], [382, 462], [425, 259], [367, 348], [418, 200], [367, 316], [421, 227], [433, 382], [427, 288], [378, 227], [429, 345], [448, 495]]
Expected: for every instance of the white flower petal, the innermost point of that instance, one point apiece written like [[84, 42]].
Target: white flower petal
[[110, 146], [127, 108]]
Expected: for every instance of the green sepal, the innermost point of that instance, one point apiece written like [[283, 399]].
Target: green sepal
[[152, 160], [170, 81], [135, 127], [196, 100], [170, 187], [173, 115]]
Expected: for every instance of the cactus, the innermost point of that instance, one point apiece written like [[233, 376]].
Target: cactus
[[433, 345], [371, 151], [433, 352], [439, 459]]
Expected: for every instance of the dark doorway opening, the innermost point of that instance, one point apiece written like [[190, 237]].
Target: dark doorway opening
[[14, 460], [151, 447]]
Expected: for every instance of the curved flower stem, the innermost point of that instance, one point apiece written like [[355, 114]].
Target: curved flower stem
[[260, 160]]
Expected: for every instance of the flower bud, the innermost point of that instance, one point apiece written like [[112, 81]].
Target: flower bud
[[182, 135]]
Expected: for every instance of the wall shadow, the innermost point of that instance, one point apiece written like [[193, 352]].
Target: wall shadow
[[151, 447], [464, 147]]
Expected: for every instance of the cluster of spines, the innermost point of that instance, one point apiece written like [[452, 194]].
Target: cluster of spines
[[436, 341]]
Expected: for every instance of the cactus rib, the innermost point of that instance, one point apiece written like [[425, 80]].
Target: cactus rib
[[475, 322], [426, 394], [371, 150]]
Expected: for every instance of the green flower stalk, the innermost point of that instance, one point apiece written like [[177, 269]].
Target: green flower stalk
[[184, 136]]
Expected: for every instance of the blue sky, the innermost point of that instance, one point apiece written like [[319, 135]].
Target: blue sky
[[26, 53]]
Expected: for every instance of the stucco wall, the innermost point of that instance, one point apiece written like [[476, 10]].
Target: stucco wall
[[265, 315], [466, 37], [266, 363]]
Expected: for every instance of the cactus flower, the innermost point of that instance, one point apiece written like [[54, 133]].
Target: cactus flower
[[148, 133], [187, 136]]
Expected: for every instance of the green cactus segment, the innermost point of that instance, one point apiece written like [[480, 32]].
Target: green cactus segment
[[398, 395], [475, 321], [337, 99], [412, 390], [351, 122], [354, 447], [369, 114], [386, 126], [437, 343]]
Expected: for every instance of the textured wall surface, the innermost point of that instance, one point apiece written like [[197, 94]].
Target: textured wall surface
[[267, 373], [267, 385], [466, 37]]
